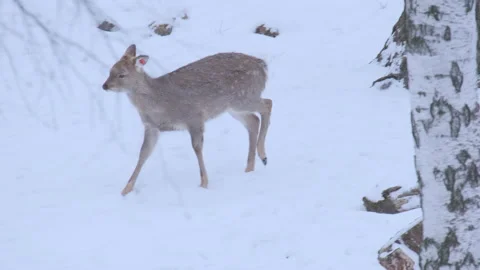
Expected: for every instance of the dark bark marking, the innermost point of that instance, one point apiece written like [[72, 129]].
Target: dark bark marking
[[440, 76], [418, 45], [462, 157], [443, 250], [447, 35], [419, 179], [457, 202], [473, 176], [424, 30], [435, 110], [404, 71], [427, 124], [455, 123], [467, 261], [412, 9], [450, 242], [455, 180], [420, 109], [469, 5], [467, 115], [443, 255], [475, 111], [429, 263], [416, 136], [450, 178], [477, 18], [457, 76], [429, 242], [451, 239], [434, 11], [439, 108], [399, 31]]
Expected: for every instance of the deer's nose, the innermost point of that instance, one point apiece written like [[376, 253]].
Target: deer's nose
[[105, 86]]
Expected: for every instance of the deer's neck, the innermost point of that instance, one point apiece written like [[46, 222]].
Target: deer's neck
[[144, 84]]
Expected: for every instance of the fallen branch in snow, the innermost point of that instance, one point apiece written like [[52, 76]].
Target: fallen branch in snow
[[401, 252], [394, 202]]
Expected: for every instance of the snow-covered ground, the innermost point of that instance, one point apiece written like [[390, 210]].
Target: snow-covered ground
[[68, 147]]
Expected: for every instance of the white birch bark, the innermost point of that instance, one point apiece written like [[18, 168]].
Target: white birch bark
[[441, 55]]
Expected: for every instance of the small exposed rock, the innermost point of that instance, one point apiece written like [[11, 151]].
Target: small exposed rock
[[263, 30], [164, 29], [413, 238], [402, 251], [184, 16], [397, 260], [107, 26]]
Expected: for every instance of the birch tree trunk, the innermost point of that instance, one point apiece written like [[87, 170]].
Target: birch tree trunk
[[441, 51]]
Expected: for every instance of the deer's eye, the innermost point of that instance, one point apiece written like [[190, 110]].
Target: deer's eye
[[121, 76]]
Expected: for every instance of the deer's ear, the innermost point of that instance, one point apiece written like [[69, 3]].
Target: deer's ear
[[141, 60], [131, 50]]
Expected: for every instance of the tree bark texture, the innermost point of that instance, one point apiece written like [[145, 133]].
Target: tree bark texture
[[441, 52], [392, 55]]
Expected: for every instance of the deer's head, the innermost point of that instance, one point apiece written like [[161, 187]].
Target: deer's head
[[127, 72]]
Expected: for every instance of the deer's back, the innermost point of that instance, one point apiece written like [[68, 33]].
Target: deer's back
[[217, 79]]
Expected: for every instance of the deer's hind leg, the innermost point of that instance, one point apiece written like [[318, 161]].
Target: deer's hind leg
[[265, 110], [196, 134], [264, 107], [251, 122]]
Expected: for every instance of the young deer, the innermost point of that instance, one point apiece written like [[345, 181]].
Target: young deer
[[186, 98]]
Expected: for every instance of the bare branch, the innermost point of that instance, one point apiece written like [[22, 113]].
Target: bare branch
[[54, 37]]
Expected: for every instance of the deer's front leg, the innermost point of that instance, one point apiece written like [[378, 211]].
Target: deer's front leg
[[149, 140], [196, 133]]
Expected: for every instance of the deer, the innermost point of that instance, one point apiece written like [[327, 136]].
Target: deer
[[188, 97]]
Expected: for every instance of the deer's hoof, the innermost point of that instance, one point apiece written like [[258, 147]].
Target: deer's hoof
[[264, 161], [127, 189]]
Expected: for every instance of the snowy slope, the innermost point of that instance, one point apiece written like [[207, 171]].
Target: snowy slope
[[69, 147]]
